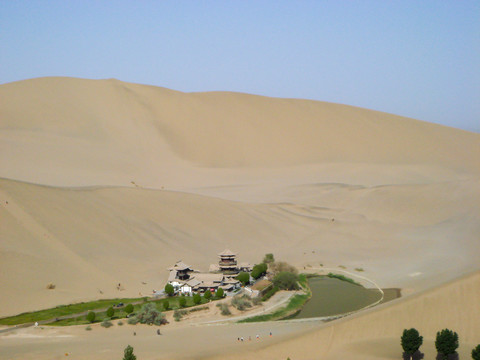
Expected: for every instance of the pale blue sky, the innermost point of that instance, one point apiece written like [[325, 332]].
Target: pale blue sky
[[413, 58]]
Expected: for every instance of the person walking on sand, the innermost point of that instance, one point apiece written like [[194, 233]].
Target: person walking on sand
[[258, 336], [270, 334]]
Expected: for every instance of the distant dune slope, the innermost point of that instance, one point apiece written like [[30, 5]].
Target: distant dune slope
[[67, 131]]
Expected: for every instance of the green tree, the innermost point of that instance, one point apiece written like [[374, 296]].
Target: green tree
[[286, 281], [110, 312], [166, 304], [182, 301], [259, 270], [411, 341], [91, 316], [219, 294], [476, 353], [128, 353], [129, 308], [446, 343], [244, 278], [268, 259], [207, 295], [169, 290], [197, 299]]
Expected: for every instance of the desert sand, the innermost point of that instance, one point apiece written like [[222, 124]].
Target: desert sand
[[105, 182]]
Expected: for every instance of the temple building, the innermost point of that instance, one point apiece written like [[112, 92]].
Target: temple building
[[186, 280], [228, 261]]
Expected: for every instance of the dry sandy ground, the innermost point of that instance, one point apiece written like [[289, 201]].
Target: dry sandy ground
[[105, 182]]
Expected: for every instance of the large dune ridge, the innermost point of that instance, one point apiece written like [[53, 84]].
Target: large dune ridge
[[77, 132], [105, 182]]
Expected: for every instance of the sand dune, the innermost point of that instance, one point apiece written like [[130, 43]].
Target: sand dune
[[75, 132], [105, 182]]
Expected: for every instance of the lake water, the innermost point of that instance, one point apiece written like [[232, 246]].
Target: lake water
[[333, 296]]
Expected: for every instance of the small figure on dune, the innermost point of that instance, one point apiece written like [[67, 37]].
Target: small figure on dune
[[134, 333], [158, 332]]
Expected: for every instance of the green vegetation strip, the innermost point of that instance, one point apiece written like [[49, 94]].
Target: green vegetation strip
[[63, 310], [343, 278], [80, 308]]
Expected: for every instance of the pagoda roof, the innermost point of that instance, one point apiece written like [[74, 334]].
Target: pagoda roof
[[179, 266], [227, 252]]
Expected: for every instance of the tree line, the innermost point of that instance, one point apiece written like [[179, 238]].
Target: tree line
[[446, 344]]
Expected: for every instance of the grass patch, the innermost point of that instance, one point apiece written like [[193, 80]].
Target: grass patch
[[343, 278], [200, 308], [270, 293], [359, 269], [342, 266]]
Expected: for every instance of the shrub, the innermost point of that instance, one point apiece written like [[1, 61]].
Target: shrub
[[182, 301], [169, 290], [446, 343], [91, 316], [166, 304], [133, 320], [241, 302], [120, 323], [106, 323], [268, 259], [244, 278], [476, 353], [411, 341], [129, 308], [128, 354], [219, 294], [259, 270], [197, 299], [281, 266], [207, 295], [224, 310], [149, 315], [256, 301], [178, 314], [88, 328], [286, 281], [110, 312]]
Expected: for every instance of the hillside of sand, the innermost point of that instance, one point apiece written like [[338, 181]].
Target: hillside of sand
[[105, 182]]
